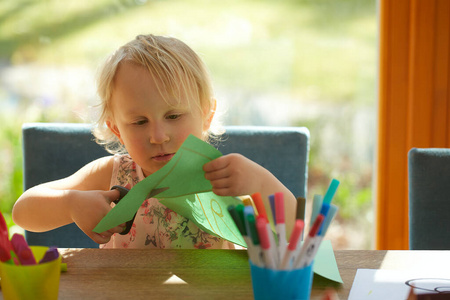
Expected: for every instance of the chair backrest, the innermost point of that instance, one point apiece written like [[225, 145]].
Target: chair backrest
[[429, 198], [56, 150]]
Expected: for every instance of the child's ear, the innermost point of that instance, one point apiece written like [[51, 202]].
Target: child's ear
[[210, 115], [114, 129]]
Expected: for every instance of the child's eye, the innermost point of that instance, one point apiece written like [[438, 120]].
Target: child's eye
[[173, 116], [140, 122]]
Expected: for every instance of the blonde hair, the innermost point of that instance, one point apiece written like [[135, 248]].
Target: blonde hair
[[176, 69]]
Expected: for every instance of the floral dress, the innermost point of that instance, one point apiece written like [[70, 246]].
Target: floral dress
[[155, 225]]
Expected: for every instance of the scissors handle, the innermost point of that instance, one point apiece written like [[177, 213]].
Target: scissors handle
[[123, 191]]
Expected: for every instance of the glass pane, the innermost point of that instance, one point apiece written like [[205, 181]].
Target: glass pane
[[277, 63]]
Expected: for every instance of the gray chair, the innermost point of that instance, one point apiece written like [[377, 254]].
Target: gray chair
[[56, 150], [429, 198]]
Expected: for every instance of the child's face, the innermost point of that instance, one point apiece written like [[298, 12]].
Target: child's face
[[151, 130]]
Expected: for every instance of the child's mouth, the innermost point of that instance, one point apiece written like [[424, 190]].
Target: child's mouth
[[163, 157]]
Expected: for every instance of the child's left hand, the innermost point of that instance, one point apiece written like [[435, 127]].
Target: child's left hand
[[235, 175]]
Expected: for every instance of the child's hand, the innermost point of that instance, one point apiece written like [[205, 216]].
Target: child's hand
[[89, 207], [234, 175]]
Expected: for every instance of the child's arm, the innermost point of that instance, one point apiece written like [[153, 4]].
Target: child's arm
[[83, 198], [236, 175]]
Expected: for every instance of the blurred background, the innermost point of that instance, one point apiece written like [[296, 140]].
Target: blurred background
[[309, 63]]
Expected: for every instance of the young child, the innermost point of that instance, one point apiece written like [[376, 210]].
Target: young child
[[154, 92]]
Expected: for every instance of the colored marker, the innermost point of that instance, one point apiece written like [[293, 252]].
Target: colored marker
[[255, 253], [331, 191], [5, 256], [293, 241], [270, 216], [269, 259], [50, 255], [272, 206], [247, 201], [259, 204], [248, 210], [257, 199], [308, 246], [240, 213], [323, 211], [5, 244], [301, 205], [316, 206], [317, 239], [301, 208], [330, 216], [280, 226], [239, 222], [314, 247], [21, 249]]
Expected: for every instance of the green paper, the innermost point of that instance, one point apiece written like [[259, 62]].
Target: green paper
[[209, 212], [325, 263], [184, 176]]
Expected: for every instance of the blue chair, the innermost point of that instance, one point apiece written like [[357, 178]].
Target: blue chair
[[429, 198], [56, 150]]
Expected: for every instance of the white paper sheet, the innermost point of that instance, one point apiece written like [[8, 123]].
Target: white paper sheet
[[395, 285]]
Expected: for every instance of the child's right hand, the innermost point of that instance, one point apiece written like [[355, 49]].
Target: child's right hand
[[87, 208]]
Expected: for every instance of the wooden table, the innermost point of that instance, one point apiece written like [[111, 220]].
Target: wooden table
[[204, 274]]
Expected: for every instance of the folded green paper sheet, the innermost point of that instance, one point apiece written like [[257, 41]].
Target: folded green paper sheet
[[189, 193]]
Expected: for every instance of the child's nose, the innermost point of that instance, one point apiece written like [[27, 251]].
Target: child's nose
[[159, 134]]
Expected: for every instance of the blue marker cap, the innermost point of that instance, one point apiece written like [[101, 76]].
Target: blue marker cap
[[248, 210], [330, 216], [331, 191], [325, 208], [323, 211]]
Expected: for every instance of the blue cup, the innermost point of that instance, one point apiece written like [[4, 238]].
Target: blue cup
[[281, 284]]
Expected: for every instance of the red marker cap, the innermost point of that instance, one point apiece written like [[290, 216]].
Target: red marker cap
[[295, 235], [279, 208], [316, 226], [262, 232]]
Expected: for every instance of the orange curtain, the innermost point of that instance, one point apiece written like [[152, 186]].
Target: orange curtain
[[414, 103]]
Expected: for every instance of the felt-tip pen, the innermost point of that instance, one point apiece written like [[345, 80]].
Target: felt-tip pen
[[254, 252], [269, 259], [239, 209], [21, 249], [272, 206], [300, 213], [330, 216], [50, 255], [307, 248], [331, 191], [280, 226], [293, 241], [259, 204], [317, 239]]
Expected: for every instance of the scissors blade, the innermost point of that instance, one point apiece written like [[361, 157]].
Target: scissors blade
[[157, 191], [123, 191]]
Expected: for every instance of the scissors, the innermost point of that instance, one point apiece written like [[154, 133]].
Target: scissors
[[123, 191], [5, 244]]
